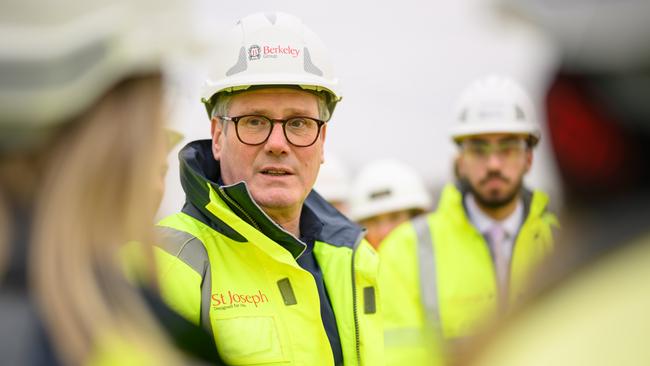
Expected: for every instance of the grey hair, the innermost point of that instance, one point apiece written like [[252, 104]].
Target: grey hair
[[222, 106]]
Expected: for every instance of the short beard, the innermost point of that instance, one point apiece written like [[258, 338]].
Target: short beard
[[493, 203]]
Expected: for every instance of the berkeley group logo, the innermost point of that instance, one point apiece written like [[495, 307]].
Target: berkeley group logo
[[256, 52], [232, 300]]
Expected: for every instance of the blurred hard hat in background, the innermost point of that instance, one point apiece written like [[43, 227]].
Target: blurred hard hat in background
[[386, 186], [494, 104], [333, 182], [58, 57]]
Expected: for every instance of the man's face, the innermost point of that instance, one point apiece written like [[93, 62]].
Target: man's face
[[493, 166], [279, 175], [381, 225]]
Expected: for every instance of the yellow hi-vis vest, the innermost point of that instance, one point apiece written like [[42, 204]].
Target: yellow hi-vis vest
[[260, 305], [437, 272]]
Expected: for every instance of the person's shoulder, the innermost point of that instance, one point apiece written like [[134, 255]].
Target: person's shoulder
[[402, 237], [538, 203], [337, 229]]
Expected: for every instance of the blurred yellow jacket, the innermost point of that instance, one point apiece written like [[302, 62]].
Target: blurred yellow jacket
[[597, 316], [438, 270]]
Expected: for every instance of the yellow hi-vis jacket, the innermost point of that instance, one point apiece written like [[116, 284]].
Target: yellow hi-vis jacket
[[437, 272], [221, 271]]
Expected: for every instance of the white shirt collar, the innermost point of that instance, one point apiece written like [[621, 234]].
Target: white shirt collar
[[483, 222]]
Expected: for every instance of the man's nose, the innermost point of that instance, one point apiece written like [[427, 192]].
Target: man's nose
[[277, 142], [494, 160]]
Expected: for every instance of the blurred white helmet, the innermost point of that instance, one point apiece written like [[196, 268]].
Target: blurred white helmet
[[495, 104], [333, 182], [271, 49], [386, 186], [57, 58]]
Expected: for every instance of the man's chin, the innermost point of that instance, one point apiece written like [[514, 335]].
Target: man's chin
[[494, 199], [493, 202], [275, 200]]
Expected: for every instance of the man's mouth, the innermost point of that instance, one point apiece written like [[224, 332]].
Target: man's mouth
[[275, 172], [493, 178]]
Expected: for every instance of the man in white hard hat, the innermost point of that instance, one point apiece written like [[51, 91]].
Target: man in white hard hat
[[271, 269], [467, 262], [385, 194]]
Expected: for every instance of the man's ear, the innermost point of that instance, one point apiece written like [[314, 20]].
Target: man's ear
[[323, 133], [216, 130], [459, 166]]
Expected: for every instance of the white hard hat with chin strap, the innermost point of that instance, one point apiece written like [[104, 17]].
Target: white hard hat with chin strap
[[271, 49], [495, 104]]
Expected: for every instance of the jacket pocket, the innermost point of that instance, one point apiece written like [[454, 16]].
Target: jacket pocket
[[248, 340]]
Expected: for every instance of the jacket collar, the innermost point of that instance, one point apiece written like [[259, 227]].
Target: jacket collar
[[199, 171]]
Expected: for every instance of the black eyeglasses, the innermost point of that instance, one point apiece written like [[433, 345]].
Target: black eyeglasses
[[255, 130]]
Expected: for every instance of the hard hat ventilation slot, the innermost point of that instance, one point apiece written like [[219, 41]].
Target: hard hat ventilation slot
[[309, 65], [241, 64], [380, 194], [519, 113]]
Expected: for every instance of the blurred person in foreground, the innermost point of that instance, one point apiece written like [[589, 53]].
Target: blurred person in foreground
[[385, 194], [172, 139], [81, 144], [453, 271], [333, 183], [592, 307], [268, 267]]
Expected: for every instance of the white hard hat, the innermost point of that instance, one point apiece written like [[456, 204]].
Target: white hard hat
[[333, 182], [271, 49], [57, 58], [386, 186], [495, 104]]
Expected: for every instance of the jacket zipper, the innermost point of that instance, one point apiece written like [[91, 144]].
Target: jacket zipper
[[354, 300], [254, 223], [231, 201]]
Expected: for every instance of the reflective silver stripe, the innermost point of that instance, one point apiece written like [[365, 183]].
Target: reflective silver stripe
[[191, 251], [427, 271], [184, 246], [206, 299]]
